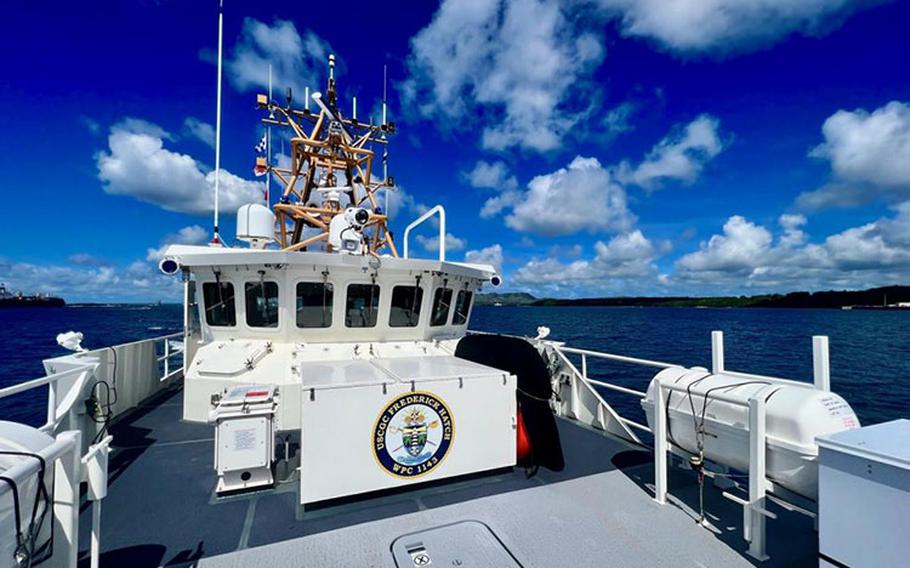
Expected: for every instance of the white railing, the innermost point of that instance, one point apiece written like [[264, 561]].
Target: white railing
[[587, 405], [137, 371], [69, 375], [168, 354], [442, 230]]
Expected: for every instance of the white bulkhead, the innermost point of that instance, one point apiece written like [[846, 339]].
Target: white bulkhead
[[795, 417]]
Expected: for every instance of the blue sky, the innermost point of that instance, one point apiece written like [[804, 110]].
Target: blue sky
[[588, 147]]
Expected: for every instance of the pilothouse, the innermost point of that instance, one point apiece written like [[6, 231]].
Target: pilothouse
[[320, 318]]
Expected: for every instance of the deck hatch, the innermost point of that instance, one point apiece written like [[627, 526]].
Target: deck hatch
[[465, 543]]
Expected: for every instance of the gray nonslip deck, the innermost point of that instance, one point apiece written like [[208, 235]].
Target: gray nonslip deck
[[160, 511]]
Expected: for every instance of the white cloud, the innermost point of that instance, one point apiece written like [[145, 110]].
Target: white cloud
[[81, 283], [491, 175], [741, 245], [202, 131], [86, 259], [586, 196], [400, 203], [746, 255], [190, 235], [496, 204], [869, 155], [523, 62], [138, 165], [588, 199], [793, 235], [723, 26], [496, 176], [617, 120], [625, 260], [297, 61], [431, 244], [679, 156], [491, 255]]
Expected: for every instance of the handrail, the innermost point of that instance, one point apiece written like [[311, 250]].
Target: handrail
[[442, 230], [39, 382], [620, 358], [147, 339], [69, 373], [618, 388], [53, 379]]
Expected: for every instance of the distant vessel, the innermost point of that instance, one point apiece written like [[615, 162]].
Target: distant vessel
[[884, 306], [19, 300]]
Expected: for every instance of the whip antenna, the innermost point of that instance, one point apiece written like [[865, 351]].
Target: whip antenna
[[268, 146], [216, 240], [385, 148]]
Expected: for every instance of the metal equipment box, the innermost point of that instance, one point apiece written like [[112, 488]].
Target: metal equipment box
[[244, 438], [864, 496], [376, 424]]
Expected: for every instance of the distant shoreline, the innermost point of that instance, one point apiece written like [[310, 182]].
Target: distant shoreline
[[884, 298]]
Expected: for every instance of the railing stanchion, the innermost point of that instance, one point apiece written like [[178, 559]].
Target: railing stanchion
[[67, 476], [660, 446], [821, 364], [717, 352], [51, 423], [167, 356], [754, 512]]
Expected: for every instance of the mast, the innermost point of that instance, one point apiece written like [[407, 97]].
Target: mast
[[216, 239], [333, 156]]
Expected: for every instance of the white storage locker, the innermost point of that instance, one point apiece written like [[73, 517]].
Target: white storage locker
[[376, 424], [864, 496]]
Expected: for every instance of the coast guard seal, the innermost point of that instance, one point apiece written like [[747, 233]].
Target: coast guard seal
[[413, 434]]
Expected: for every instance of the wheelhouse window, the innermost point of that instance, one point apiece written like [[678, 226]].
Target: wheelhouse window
[[218, 298], [262, 304], [314, 304], [362, 305], [462, 307], [406, 301], [442, 299]]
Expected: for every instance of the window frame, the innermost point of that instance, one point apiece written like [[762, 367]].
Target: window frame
[[246, 311], [418, 305], [448, 315], [467, 313], [378, 300], [233, 304], [334, 306]]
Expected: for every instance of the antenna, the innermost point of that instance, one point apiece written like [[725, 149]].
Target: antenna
[[216, 240], [384, 83], [385, 148], [268, 147]]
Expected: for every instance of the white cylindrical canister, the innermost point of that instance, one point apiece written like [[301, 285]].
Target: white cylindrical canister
[[795, 416]]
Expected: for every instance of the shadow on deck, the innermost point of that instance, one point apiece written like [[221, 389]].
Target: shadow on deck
[[160, 510]]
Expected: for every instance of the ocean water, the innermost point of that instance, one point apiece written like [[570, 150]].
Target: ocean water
[[870, 350]]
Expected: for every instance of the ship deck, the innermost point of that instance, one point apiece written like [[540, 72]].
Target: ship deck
[[161, 511]]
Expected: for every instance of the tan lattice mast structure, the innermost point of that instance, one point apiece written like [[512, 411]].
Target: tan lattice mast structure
[[326, 147]]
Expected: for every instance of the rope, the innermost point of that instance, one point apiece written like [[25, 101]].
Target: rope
[[33, 529], [698, 461], [16, 511]]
